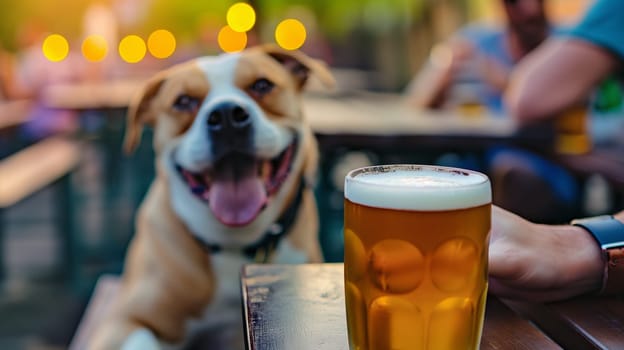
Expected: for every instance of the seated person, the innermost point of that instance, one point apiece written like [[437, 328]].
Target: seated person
[[480, 58], [583, 64], [473, 68]]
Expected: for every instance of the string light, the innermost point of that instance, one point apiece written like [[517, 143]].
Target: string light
[[290, 34], [55, 47], [94, 48], [230, 40], [241, 17], [161, 43], [132, 49]]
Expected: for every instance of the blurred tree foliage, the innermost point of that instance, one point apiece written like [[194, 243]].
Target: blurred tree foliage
[[335, 18], [387, 35], [22, 21]]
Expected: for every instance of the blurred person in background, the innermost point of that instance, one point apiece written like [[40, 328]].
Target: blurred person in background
[[480, 58], [472, 69], [581, 67]]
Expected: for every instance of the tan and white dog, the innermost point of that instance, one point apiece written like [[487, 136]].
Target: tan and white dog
[[235, 160]]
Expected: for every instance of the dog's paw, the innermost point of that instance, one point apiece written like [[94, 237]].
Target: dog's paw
[[141, 339]]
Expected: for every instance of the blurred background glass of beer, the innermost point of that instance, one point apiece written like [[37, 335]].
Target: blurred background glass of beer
[[573, 132]]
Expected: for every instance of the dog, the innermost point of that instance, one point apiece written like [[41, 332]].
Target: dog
[[235, 164]]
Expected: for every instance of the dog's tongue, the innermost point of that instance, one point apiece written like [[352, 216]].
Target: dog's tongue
[[236, 203]]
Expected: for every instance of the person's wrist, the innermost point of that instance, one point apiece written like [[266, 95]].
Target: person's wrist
[[583, 264], [608, 231]]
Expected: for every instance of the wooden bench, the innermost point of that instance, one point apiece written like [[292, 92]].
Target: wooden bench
[[32, 169]]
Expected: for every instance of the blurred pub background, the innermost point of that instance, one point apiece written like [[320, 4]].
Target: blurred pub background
[[56, 240]]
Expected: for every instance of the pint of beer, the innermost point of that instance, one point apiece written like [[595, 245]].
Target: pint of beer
[[416, 247], [573, 132]]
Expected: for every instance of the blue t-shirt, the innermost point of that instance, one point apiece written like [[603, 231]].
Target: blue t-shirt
[[603, 25], [491, 42]]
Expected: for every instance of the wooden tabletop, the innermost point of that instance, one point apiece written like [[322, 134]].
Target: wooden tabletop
[[388, 114], [354, 113], [302, 307], [384, 122], [92, 95]]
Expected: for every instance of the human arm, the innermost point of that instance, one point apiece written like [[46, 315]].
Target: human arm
[[556, 76], [429, 87], [565, 69], [540, 262]]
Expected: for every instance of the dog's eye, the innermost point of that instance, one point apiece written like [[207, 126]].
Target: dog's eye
[[261, 87], [186, 103]]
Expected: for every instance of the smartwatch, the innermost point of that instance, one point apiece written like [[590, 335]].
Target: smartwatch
[[609, 234]]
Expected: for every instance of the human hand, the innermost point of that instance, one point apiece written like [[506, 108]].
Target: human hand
[[495, 73], [456, 56], [540, 262]]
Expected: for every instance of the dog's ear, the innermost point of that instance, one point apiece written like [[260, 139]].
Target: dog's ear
[[140, 112], [301, 65]]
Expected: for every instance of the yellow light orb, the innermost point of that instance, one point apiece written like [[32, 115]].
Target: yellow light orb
[[290, 34], [94, 48], [132, 49], [241, 17], [161, 43], [230, 40], [55, 47]]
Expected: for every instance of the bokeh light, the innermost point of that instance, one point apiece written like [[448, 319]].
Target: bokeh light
[[132, 49], [55, 47], [161, 43], [230, 40], [241, 17], [290, 34], [94, 48]]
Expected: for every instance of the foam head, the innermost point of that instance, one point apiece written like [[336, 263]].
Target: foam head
[[417, 187]]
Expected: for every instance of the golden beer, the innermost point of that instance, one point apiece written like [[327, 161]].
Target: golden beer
[[572, 132], [416, 247]]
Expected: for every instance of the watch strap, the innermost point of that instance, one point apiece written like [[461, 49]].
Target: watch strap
[[609, 234], [613, 278]]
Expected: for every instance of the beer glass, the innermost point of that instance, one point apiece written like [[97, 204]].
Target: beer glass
[[416, 250], [573, 132]]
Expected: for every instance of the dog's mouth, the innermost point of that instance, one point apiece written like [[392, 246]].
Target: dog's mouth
[[239, 186]]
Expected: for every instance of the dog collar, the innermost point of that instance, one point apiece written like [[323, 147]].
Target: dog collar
[[609, 234], [261, 250]]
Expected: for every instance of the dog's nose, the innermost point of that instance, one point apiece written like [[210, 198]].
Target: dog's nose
[[228, 115]]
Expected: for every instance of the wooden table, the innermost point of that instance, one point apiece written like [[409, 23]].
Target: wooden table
[[384, 121], [302, 307], [110, 94]]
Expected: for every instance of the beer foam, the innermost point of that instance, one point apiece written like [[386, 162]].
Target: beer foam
[[417, 187]]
